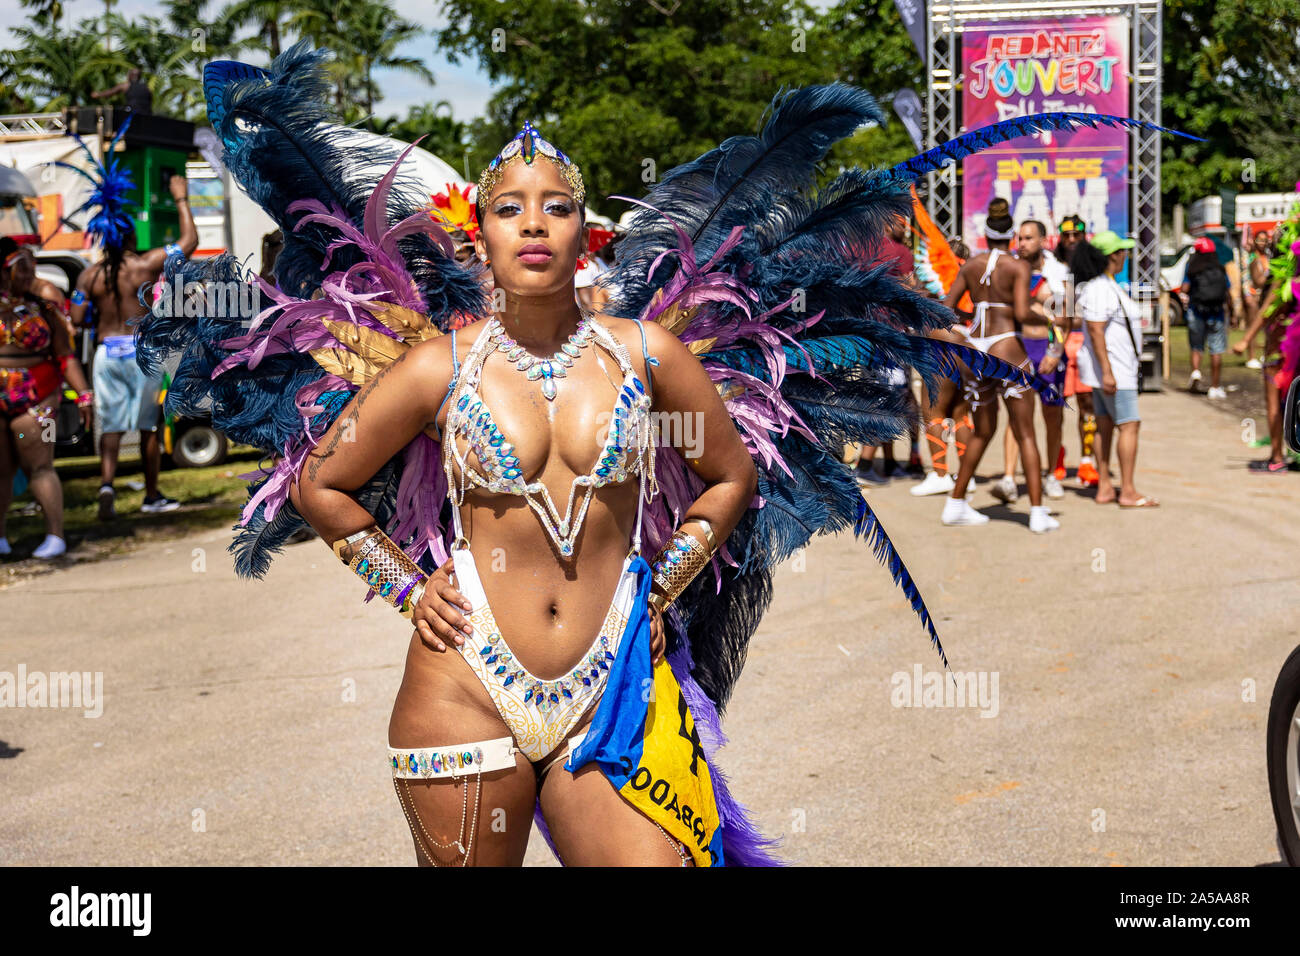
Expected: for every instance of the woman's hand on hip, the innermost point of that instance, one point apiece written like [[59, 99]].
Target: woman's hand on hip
[[440, 614]]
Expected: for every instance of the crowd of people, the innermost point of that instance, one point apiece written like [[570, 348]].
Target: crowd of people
[[38, 328], [1063, 317], [1054, 310]]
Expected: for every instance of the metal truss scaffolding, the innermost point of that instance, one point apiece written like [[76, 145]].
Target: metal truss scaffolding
[[946, 20]]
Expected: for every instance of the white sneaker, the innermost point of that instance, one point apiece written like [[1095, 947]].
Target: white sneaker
[[1254, 363], [1004, 489], [1040, 521], [970, 488], [1194, 380], [934, 484], [957, 511], [1216, 392], [51, 547], [1052, 487]]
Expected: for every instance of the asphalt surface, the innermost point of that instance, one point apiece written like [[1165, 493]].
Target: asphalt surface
[[1134, 653]]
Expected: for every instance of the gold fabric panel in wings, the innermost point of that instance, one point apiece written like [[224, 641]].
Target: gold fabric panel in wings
[[368, 351]]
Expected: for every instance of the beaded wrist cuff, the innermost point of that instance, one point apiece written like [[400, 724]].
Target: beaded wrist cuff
[[681, 559], [384, 566]]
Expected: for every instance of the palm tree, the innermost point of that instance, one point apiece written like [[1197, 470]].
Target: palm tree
[[377, 32], [49, 12], [108, 34], [267, 14], [443, 134], [57, 69], [364, 36], [171, 69]]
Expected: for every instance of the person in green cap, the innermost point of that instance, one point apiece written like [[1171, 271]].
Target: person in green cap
[[1110, 360]]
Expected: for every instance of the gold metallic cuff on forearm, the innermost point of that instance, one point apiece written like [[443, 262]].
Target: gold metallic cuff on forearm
[[389, 570], [682, 558]]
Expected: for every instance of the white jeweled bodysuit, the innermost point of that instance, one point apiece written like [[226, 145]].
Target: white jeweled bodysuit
[[541, 712]]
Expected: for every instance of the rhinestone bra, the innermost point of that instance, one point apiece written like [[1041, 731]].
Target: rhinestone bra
[[628, 449], [22, 324]]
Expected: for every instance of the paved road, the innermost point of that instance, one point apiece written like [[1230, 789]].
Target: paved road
[[244, 723]]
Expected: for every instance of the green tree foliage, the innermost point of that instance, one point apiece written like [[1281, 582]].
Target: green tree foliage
[[365, 36], [443, 135], [872, 49], [632, 89], [265, 16], [53, 68], [1230, 75]]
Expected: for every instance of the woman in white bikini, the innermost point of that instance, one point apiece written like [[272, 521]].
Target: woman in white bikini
[[539, 404], [999, 287]]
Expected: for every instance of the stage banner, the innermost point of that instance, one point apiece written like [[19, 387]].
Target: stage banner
[[1020, 68]]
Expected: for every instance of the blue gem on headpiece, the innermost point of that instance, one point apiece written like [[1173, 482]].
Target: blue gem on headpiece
[[527, 143]]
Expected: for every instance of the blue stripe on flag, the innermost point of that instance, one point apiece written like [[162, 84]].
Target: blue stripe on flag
[[618, 729]]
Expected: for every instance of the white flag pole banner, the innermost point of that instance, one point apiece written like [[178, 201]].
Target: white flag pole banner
[[909, 109], [913, 14]]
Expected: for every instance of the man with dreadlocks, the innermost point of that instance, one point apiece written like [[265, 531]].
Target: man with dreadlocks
[[125, 399]]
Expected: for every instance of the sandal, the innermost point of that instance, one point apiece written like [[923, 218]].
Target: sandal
[[1143, 502], [1266, 467]]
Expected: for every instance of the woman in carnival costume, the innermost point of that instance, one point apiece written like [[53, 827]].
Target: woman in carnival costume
[[583, 582], [1277, 314]]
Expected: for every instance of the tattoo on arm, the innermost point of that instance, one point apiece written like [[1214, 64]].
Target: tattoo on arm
[[317, 458]]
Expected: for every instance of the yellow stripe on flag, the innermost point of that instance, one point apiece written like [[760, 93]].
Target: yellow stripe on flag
[[672, 785]]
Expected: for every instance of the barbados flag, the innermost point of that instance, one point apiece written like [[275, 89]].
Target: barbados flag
[[644, 740]]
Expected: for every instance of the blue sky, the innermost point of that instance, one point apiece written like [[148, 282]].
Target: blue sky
[[465, 86]]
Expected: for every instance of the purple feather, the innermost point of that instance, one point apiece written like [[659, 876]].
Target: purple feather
[[742, 844]]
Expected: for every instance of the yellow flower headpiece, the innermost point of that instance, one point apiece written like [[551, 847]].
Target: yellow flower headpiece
[[454, 210]]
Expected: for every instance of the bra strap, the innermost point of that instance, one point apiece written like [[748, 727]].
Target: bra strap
[[451, 385], [645, 354], [992, 264]]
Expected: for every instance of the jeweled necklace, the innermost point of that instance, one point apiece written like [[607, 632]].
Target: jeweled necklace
[[547, 369]]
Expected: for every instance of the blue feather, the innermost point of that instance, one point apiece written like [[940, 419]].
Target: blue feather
[[818, 498], [746, 180], [868, 526], [109, 187], [850, 409], [219, 78], [984, 365], [805, 124], [986, 136]]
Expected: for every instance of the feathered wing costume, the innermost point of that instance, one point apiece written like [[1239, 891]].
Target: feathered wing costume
[[110, 186], [767, 278]]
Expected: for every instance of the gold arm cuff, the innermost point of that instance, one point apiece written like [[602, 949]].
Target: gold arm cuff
[[682, 558], [385, 567]]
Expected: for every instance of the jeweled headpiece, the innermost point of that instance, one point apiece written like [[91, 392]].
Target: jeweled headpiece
[[528, 145]]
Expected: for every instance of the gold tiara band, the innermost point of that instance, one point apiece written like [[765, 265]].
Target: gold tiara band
[[528, 145]]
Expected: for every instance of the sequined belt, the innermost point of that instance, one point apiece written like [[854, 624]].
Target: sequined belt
[[462, 759]]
